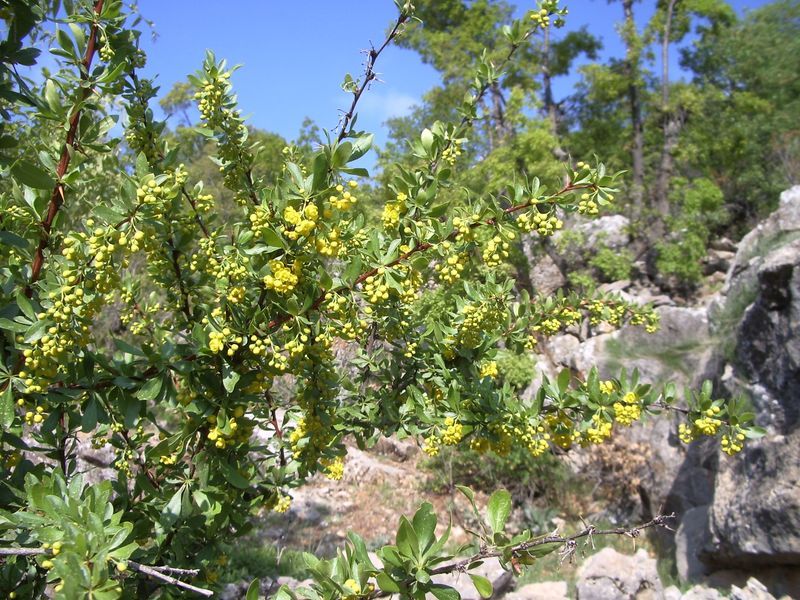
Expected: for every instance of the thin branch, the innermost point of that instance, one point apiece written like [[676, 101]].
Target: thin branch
[[369, 74], [589, 530], [160, 574], [22, 551], [177, 571]]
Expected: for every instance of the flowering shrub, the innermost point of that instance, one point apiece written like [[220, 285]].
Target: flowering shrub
[[249, 349]]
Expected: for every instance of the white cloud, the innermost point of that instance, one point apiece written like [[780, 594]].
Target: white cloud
[[385, 104]]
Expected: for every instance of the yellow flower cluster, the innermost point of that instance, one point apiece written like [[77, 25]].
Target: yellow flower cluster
[[392, 211], [334, 468], [496, 251], [259, 220], [283, 504], [237, 435], [464, 228], [155, 196], [431, 446], [569, 316], [88, 276], [600, 431], [37, 417], [561, 430], [587, 206], [204, 203], [452, 152], [453, 432], [477, 319], [532, 435], [375, 291], [686, 434], [219, 339], [450, 270], [627, 411], [607, 387], [210, 97], [344, 199], [283, 279], [548, 326], [545, 224], [489, 369], [354, 588], [732, 444], [330, 246], [541, 18], [709, 424], [302, 222], [304, 427]]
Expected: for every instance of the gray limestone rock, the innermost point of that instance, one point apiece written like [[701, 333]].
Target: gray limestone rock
[[609, 575]]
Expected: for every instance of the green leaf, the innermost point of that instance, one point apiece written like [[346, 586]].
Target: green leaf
[[51, 95], [386, 583], [229, 378], [172, 511], [7, 407], [150, 390], [498, 510], [355, 171], [361, 146], [252, 590], [89, 419], [32, 176], [234, 477], [126, 347], [7, 325], [341, 155], [272, 238], [25, 306], [483, 585], [470, 495], [563, 380], [407, 541], [444, 592], [424, 523], [427, 139], [12, 239], [438, 210], [531, 554]]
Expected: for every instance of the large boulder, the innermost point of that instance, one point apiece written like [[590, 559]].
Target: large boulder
[[546, 277], [691, 537], [610, 230], [545, 590], [609, 575], [753, 514]]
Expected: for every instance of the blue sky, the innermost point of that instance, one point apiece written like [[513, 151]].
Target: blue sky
[[294, 55]]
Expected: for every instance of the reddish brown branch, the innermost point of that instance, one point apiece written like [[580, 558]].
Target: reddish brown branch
[[57, 197]]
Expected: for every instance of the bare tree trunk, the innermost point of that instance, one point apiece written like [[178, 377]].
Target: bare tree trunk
[[635, 103], [672, 125], [498, 114], [550, 107]]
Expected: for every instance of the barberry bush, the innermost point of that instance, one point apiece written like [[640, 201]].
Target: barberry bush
[[249, 349]]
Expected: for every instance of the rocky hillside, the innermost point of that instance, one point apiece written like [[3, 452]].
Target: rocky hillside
[[739, 517]]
